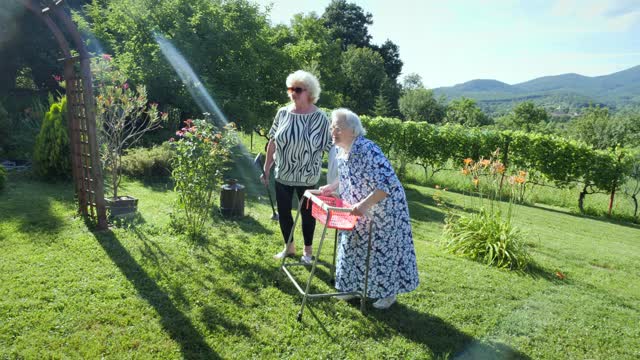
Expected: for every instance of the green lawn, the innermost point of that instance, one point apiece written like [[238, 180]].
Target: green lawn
[[141, 291]]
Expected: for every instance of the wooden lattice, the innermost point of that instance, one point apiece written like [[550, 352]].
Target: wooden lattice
[[85, 160]]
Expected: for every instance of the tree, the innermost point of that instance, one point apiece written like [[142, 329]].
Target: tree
[[599, 129], [226, 43], [312, 48], [421, 105], [348, 22], [51, 154], [390, 90], [363, 71], [412, 81], [391, 55], [525, 116], [122, 116], [631, 185], [593, 127], [466, 112], [381, 106]]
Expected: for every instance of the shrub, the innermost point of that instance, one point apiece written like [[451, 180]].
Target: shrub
[[51, 154], [201, 154], [3, 177], [148, 162], [18, 131], [486, 237]]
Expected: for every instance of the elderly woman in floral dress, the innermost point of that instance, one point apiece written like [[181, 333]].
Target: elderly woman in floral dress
[[367, 180]]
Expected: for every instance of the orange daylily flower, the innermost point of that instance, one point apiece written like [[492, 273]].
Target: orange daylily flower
[[485, 162], [466, 172], [468, 161]]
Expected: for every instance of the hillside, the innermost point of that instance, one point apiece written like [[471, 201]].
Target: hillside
[[565, 93]]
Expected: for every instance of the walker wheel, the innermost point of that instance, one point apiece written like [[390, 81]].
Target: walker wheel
[[299, 317]]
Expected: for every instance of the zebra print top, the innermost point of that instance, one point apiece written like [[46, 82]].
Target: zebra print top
[[300, 140]]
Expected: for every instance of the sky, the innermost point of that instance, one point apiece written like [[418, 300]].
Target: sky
[[448, 42]]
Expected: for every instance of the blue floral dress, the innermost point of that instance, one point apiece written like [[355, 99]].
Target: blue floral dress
[[392, 268]]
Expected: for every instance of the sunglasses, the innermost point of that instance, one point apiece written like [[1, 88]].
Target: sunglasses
[[297, 90]]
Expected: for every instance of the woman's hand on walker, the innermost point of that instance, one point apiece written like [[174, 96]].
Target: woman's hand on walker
[[359, 209], [326, 190]]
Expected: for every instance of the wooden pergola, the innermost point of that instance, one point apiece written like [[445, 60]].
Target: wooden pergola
[[85, 159]]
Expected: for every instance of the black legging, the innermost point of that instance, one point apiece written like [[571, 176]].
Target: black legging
[[284, 199]]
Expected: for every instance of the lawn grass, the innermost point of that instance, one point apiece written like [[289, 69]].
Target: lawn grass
[[141, 291]]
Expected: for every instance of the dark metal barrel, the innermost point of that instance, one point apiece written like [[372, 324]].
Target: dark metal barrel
[[232, 199]]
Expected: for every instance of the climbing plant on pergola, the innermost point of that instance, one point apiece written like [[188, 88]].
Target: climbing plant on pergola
[[85, 160]]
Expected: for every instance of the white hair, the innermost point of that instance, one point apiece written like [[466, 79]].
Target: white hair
[[350, 119], [310, 82]]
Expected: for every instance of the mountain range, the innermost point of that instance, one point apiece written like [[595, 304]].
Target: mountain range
[[561, 95]]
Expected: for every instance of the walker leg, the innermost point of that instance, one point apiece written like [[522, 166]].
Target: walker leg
[[363, 300], [333, 263], [313, 270]]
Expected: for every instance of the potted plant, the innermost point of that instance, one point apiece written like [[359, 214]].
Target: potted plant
[[123, 116]]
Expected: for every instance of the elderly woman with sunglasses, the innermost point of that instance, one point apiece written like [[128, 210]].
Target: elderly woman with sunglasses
[[298, 137], [367, 180]]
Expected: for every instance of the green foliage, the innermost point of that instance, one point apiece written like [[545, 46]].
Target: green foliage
[[5, 128], [51, 154], [391, 55], [310, 47], [486, 234], [198, 166], [466, 112], [348, 22], [526, 116], [18, 132], [146, 163], [486, 237], [550, 159], [364, 74], [631, 184], [597, 127], [412, 81], [421, 105], [229, 44], [381, 107], [3, 177]]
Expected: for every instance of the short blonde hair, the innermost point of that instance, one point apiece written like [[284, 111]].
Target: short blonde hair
[[310, 82], [350, 119]]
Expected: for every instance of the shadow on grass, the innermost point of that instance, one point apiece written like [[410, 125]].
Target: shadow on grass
[[174, 322], [216, 322], [443, 339], [30, 203], [423, 207]]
